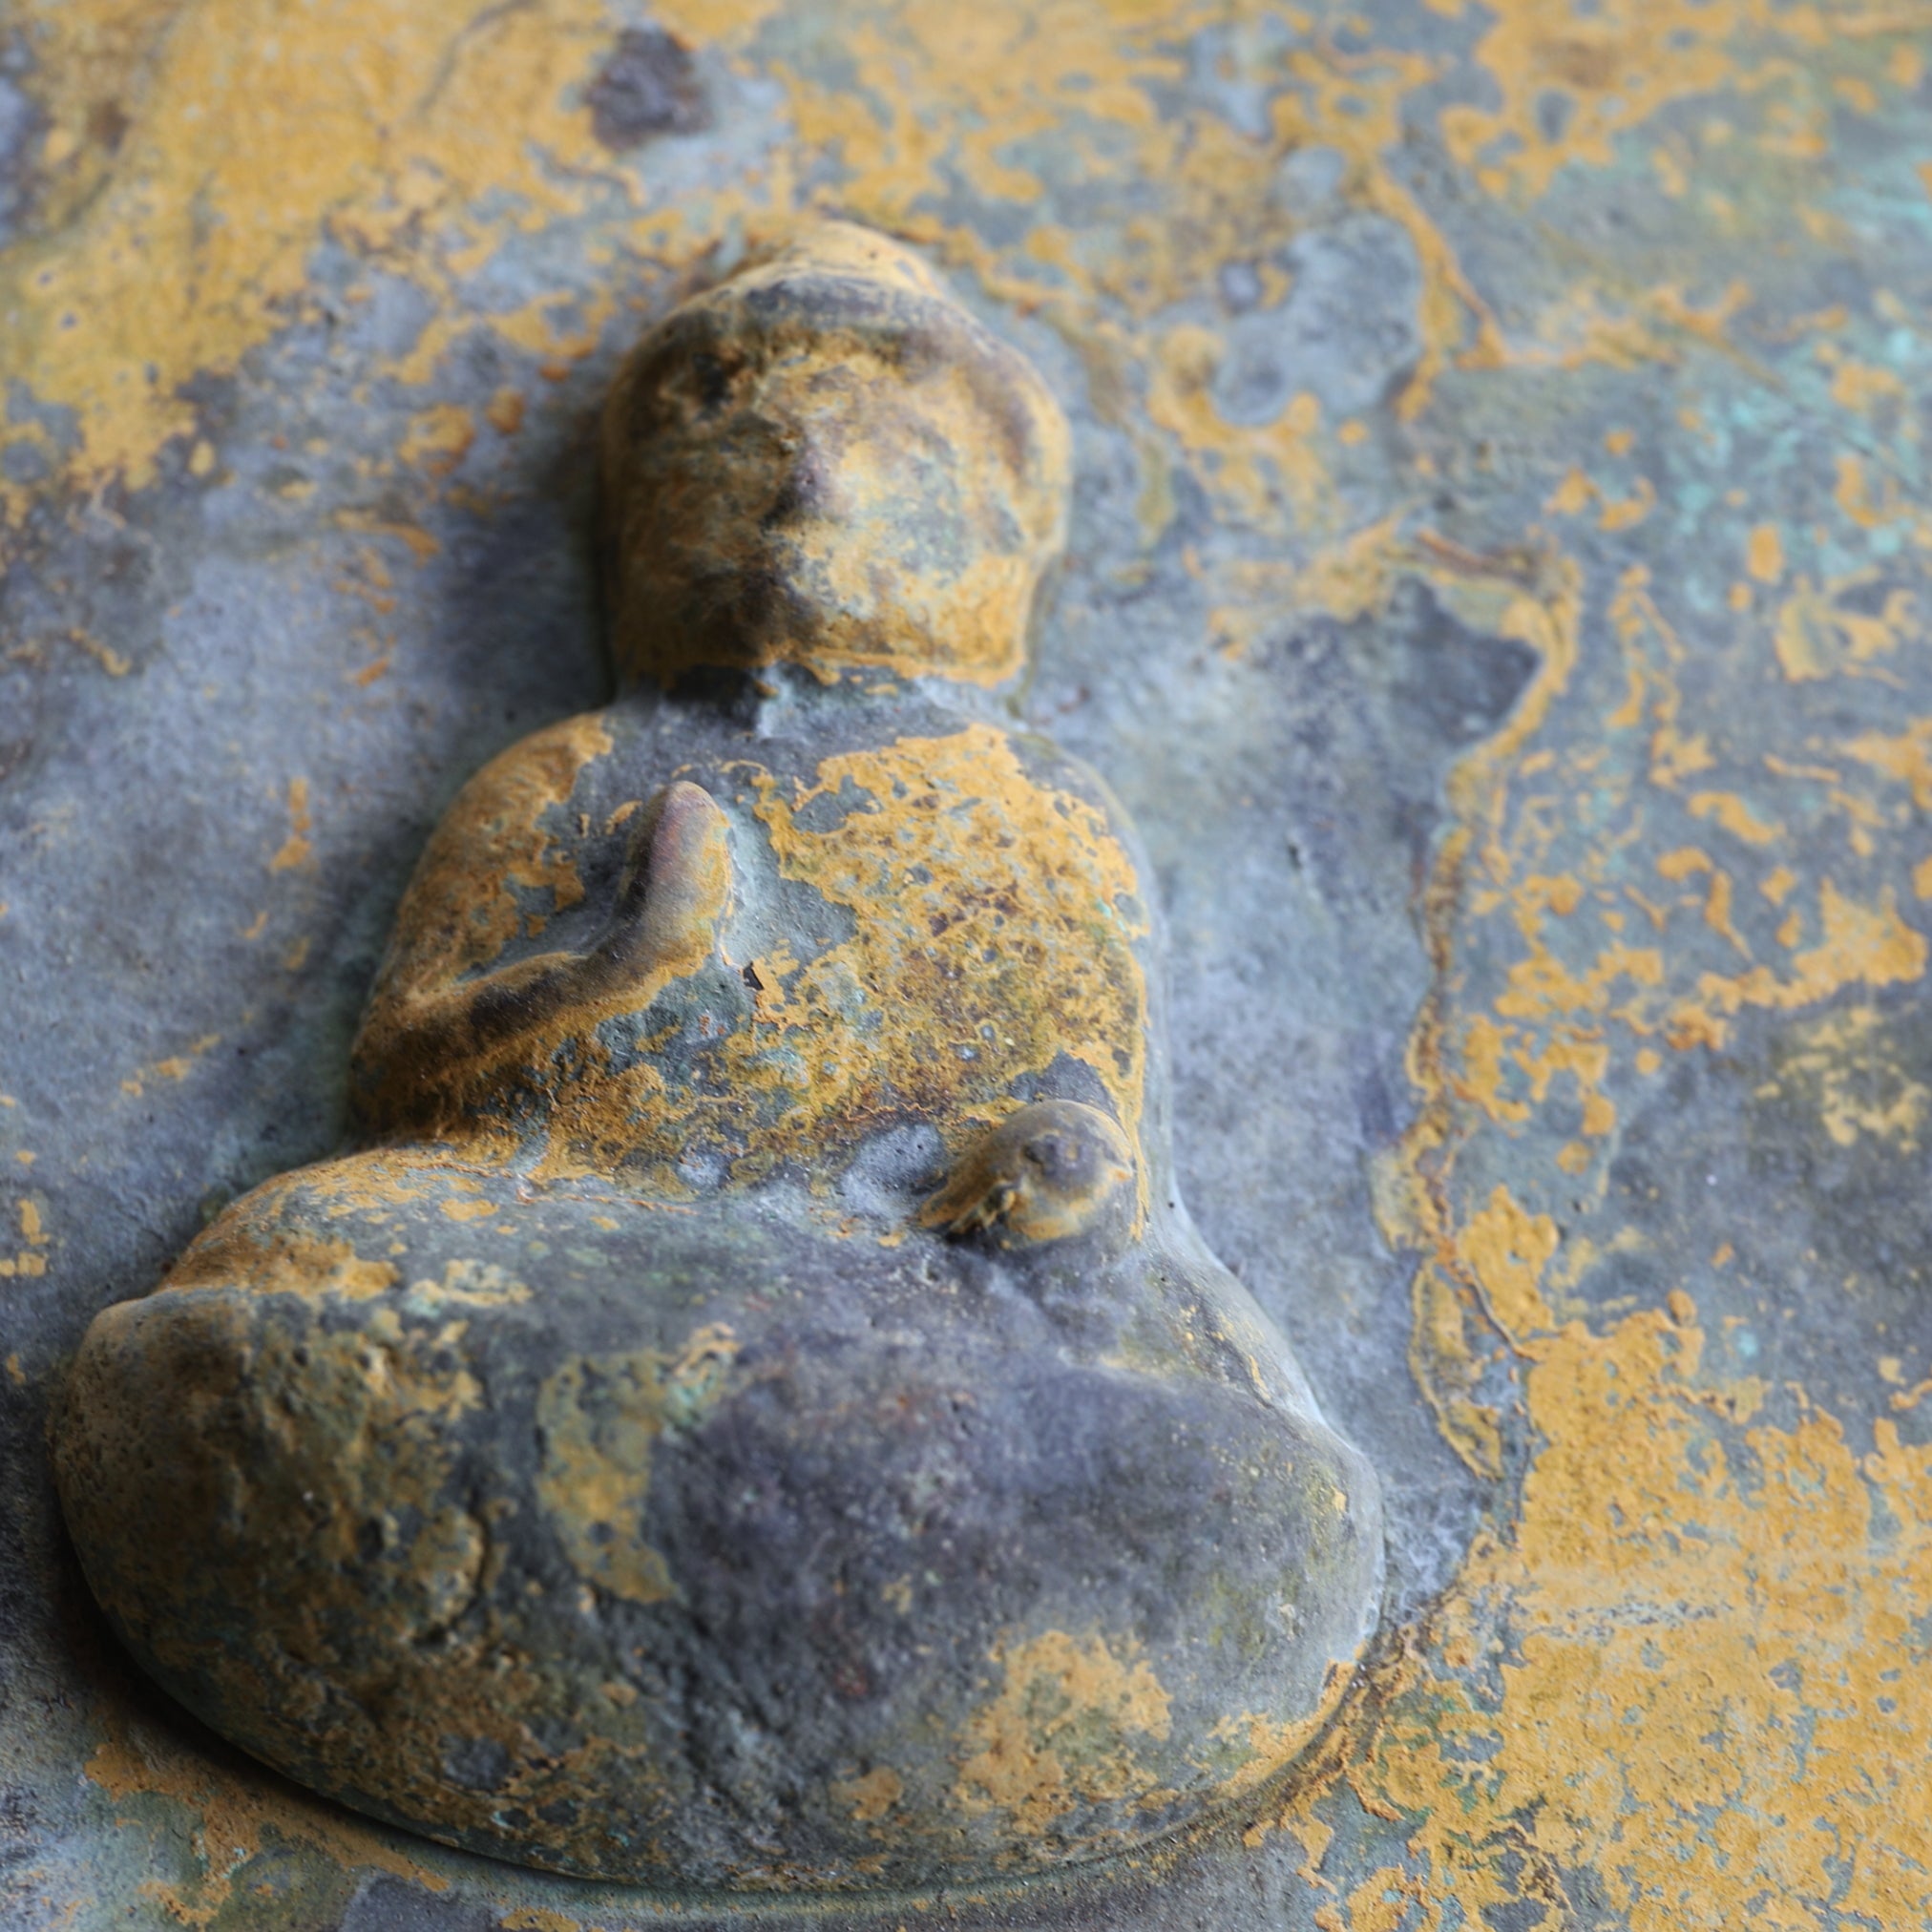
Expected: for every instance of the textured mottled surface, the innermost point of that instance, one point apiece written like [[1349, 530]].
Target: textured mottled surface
[[1496, 588], [724, 1551], [752, 1415]]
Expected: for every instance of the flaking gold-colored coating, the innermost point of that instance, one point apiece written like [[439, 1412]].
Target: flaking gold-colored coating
[[1661, 432]]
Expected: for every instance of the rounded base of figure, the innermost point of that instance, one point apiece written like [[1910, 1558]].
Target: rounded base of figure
[[717, 1548]]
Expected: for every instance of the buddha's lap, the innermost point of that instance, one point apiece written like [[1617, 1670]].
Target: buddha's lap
[[706, 1509]]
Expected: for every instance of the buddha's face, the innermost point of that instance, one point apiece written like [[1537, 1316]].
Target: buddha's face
[[830, 470]]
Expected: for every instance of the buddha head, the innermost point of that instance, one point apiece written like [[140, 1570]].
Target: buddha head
[[826, 460]]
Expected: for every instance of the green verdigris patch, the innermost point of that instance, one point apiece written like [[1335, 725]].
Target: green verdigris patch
[[597, 1417]]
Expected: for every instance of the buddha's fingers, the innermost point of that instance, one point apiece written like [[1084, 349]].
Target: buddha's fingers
[[678, 888]]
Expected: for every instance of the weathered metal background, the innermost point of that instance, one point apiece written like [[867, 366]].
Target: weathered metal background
[[1497, 589]]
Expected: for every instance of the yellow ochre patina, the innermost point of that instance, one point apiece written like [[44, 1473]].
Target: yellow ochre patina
[[995, 922], [1685, 1654], [600, 1416]]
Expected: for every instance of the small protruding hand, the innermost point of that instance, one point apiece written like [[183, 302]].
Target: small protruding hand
[[1054, 1170]]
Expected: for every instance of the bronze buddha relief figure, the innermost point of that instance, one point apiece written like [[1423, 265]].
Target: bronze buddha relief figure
[[751, 1412]]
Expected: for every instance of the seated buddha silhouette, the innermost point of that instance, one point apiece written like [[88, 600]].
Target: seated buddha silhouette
[[751, 1413]]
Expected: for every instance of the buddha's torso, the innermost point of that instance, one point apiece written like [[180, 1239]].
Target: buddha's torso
[[926, 917]]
